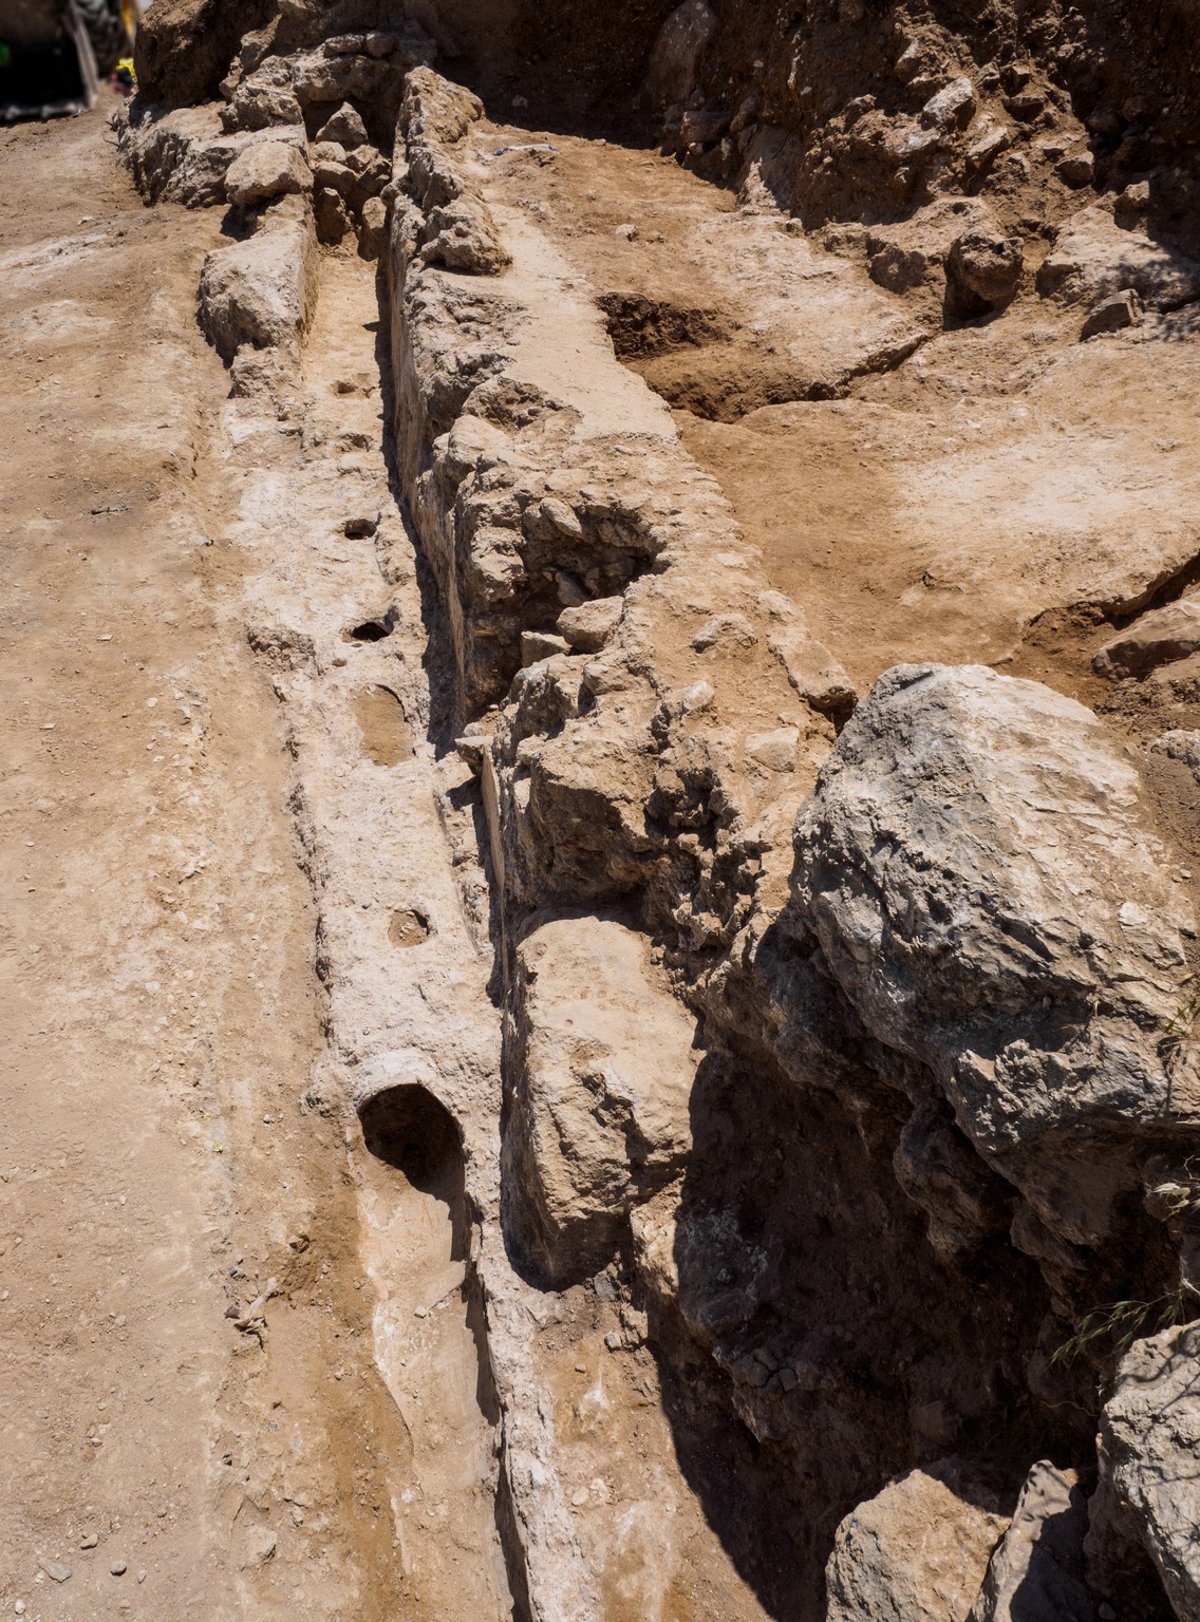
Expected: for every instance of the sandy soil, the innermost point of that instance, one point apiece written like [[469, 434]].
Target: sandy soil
[[159, 1002], [963, 484]]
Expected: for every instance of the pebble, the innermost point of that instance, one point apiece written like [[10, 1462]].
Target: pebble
[[19, 1607], [118, 1568], [88, 1541], [422, 1312], [55, 1570]]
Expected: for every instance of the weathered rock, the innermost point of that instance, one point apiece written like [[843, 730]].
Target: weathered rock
[[1113, 314], [372, 234], [184, 156], [588, 627], [345, 127], [454, 225], [461, 236], [261, 102], [1149, 1437], [681, 42], [259, 292], [983, 269], [1157, 638], [950, 106], [917, 1552], [1130, 207], [1093, 257], [956, 864], [266, 170], [333, 176], [912, 255], [331, 216], [1037, 1571], [1077, 168], [601, 1061]]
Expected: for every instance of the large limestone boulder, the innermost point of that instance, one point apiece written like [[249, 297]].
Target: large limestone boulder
[[1037, 1571], [1149, 1448], [976, 867], [601, 1061], [916, 1552]]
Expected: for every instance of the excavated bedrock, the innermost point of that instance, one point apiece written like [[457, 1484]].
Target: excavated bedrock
[[781, 1117]]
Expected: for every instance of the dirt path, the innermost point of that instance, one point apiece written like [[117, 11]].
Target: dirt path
[[159, 1002]]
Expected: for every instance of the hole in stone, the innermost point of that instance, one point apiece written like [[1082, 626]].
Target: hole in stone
[[430, 1345], [385, 732], [409, 927], [409, 1129], [373, 630]]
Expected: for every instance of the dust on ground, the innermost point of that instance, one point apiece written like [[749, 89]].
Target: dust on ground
[[160, 1166]]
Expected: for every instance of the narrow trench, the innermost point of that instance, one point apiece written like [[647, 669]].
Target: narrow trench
[[416, 1240]]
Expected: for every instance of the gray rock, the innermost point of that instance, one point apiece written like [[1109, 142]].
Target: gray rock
[[681, 42], [916, 1552], [1077, 168], [184, 157], [331, 215], [951, 106], [1149, 1437], [372, 235], [55, 1570], [976, 869], [345, 127], [338, 177], [602, 1064], [265, 170], [1157, 638], [1181, 746], [1113, 314], [1037, 1571]]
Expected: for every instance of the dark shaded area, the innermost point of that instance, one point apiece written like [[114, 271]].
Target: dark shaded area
[[409, 1129], [641, 326], [40, 81], [184, 47], [373, 630]]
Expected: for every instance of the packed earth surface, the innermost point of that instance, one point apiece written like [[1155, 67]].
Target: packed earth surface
[[601, 675]]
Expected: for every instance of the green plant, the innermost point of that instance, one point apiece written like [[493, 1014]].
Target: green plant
[[1121, 1322]]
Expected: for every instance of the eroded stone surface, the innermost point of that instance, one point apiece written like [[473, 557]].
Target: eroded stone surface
[[917, 1552], [1149, 1433], [601, 1064], [973, 931]]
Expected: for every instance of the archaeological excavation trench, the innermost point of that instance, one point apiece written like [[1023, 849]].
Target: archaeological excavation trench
[[717, 488]]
